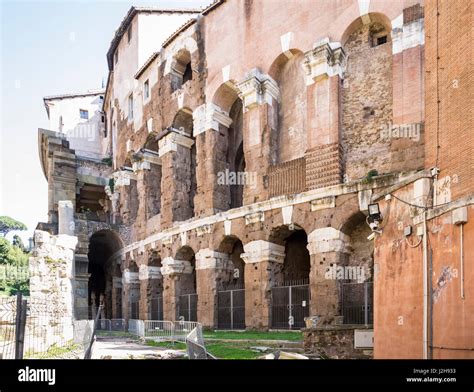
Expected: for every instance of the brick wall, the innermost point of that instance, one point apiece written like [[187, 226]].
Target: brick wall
[[449, 80]]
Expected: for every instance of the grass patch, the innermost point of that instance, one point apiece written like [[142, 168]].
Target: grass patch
[[170, 345], [115, 334], [231, 351], [53, 352], [294, 336]]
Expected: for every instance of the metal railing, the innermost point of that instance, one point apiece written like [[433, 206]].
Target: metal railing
[[162, 330]]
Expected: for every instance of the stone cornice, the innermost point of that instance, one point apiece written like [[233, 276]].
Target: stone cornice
[[258, 251], [324, 60], [171, 142], [208, 117], [257, 89]]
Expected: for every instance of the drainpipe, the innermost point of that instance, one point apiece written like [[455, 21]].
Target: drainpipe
[[461, 227], [425, 288]]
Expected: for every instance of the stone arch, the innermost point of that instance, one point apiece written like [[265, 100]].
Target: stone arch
[[188, 278], [296, 265], [367, 19], [181, 69], [233, 247], [102, 259], [186, 144], [225, 96], [149, 161], [232, 174], [290, 139], [367, 97], [357, 282]]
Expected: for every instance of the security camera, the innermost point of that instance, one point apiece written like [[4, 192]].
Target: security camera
[[374, 225], [371, 236]]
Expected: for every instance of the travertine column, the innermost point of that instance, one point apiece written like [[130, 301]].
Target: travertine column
[[211, 149], [260, 96], [324, 67], [151, 282], [175, 154], [130, 291], [263, 261], [172, 270], [211, 269], [328, 247], [117, 297]]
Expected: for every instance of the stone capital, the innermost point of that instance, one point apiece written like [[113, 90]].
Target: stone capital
[[171, 142], [258, 88], [129, 277], [209, 259], [172, 266], [208, 117], [324, 60], [146, 272], [123, 178], [144, 159], [117, 282], [258, 251], [327, 239]]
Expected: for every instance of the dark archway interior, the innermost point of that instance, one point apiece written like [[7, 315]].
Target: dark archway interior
[[235, 154], [102, 245], [297, 260], [234, 248], [187, 281]]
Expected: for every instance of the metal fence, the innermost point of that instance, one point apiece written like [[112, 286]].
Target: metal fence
[[8, 306], [195, 345], [187, 307], [357, 303], [231, 309], [156, 308], [161, 330], [290, 305], [111, 325], [31, 328]]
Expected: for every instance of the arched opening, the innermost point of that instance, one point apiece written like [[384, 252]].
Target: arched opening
[[231, 173], [231, 288], [103, 268], [187, 296], [367, 97], [152, 178], [133, 295], [183, 124], [356, 278], [290, 292], [154, 289], [290, 140], [235, 154], [181, 69]]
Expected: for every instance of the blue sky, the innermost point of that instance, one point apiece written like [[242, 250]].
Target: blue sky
[[47, 48]]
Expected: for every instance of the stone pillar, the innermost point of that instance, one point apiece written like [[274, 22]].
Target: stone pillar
[[263, 262], [121, 195], [324, 68], [130, 291], [117, 311], [260, 96], [210, 124], [147, 167], [211, 269], [172, 270], [328, 249], [65, 217], [150, 283], [175, 154], [52, 283]]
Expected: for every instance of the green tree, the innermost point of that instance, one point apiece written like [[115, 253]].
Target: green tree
[[18, 242], [8, 224]]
